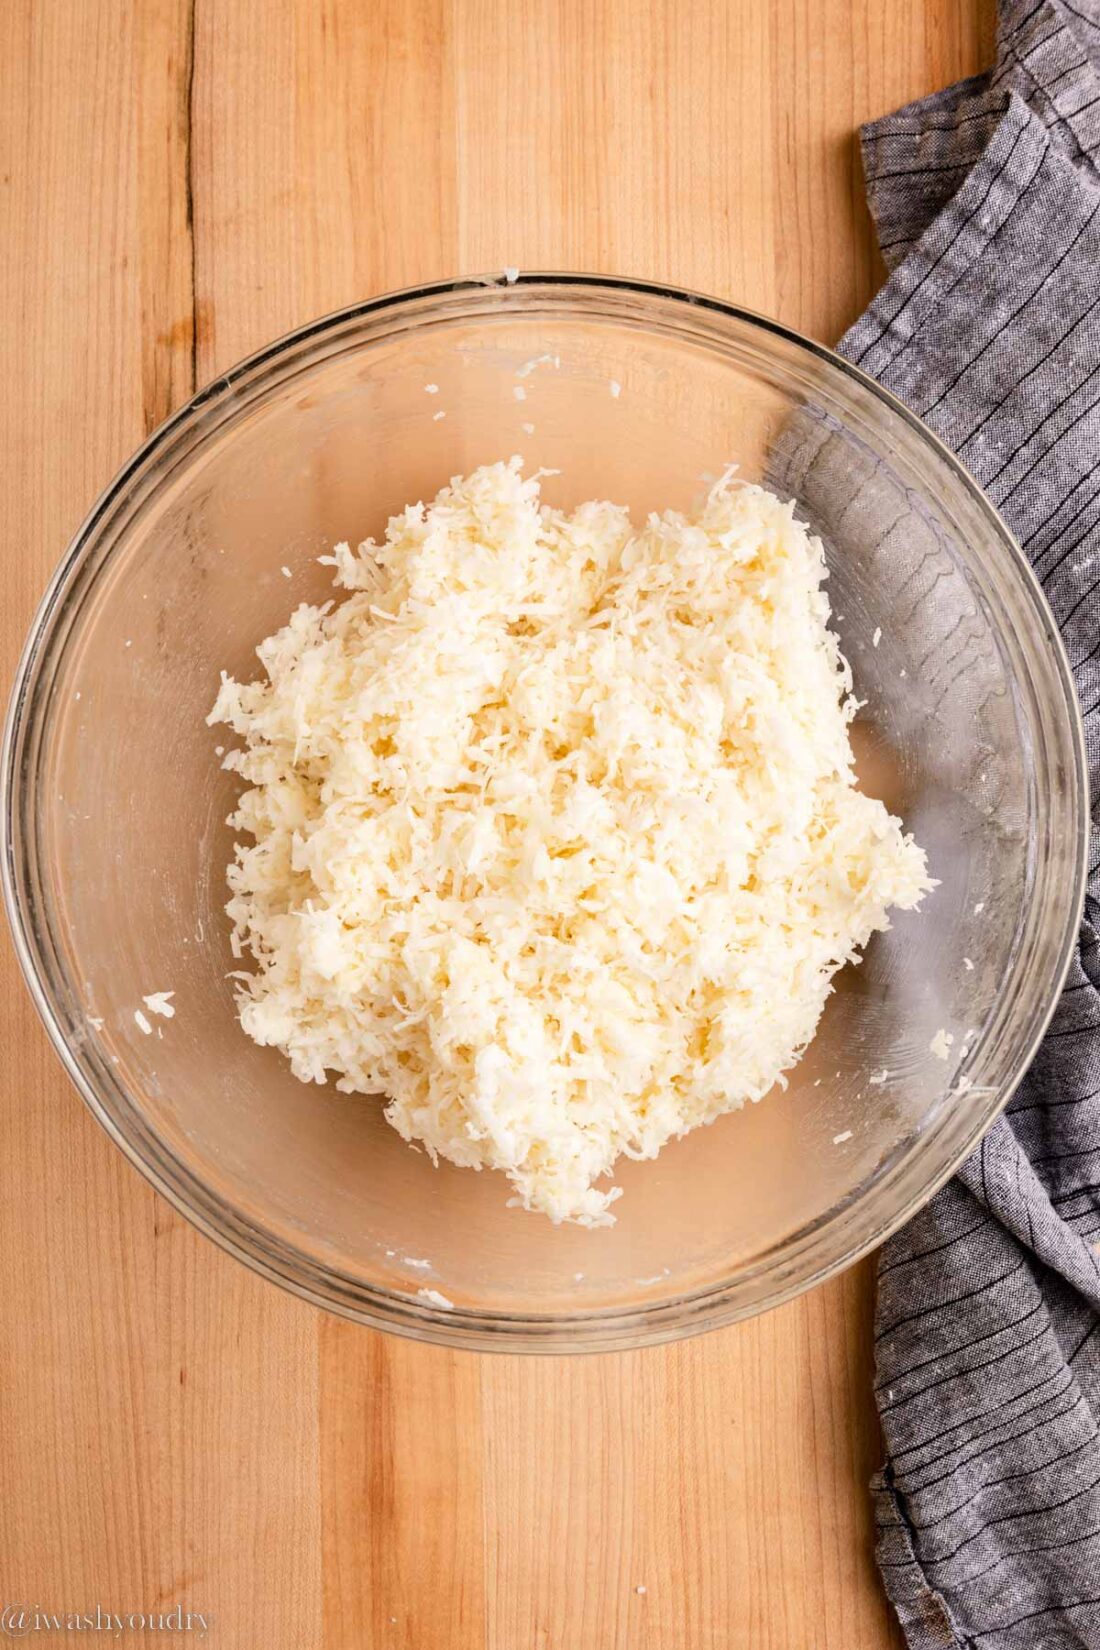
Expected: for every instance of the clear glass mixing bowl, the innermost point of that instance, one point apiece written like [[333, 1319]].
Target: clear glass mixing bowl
[[115, 804]]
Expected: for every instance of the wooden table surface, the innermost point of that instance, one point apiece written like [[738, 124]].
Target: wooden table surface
[[180, 181]]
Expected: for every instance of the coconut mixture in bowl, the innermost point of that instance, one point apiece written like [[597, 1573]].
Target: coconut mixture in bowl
[[552, 834]]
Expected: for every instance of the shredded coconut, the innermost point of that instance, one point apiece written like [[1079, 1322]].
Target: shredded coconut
[[940, 1045], [839, 1139], [142, 1022], [434, 1297], [160, 1002], [556, 842]]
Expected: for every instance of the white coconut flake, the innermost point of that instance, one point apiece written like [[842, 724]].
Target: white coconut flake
[[519, 392], [979, 908], [431, 389], [95, 1022], [615, 387], [160, 1002], [839, 1139], [940, 1045], [142, 1023], [434, 1298], [877, 637], [528, 429], [880, 1077], [968, 965], [436, 416], [511, 274], [528, 367]]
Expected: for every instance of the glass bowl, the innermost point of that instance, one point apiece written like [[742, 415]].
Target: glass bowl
[[115, 805]]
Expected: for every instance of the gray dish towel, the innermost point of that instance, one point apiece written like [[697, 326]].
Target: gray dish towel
[[986, 199]]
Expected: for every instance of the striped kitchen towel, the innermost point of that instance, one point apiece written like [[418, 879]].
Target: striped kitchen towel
[[986, 200]]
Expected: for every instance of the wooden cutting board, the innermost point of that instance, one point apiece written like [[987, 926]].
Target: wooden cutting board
[[181, 180]]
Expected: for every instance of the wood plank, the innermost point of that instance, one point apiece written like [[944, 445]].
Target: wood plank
[[402, 1493], [725, 1477], [323, 165], [554, 97], [160, 1437]]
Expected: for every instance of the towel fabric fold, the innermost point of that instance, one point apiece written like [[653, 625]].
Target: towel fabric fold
[[986, 199]]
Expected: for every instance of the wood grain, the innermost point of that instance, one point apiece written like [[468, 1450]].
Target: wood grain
[[180, 180]]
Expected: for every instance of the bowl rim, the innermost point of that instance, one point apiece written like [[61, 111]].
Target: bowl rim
[[601, 1329]]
